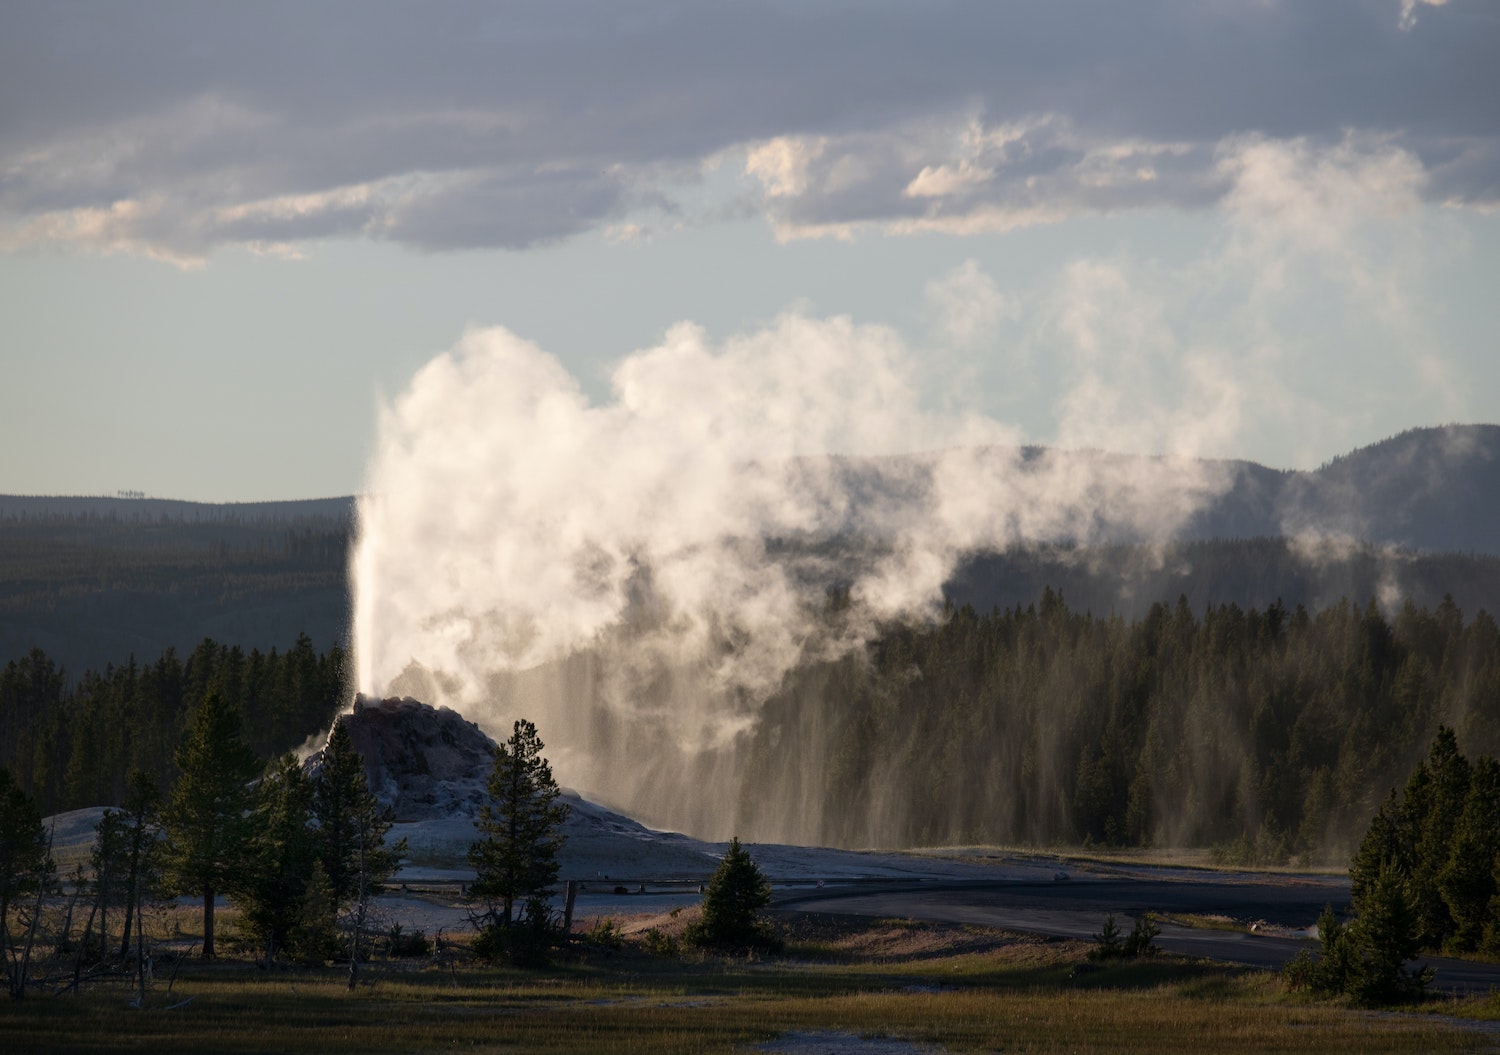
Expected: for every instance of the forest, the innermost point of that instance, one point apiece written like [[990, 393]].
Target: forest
[[92, 589], [71, 742], [1268, 735]]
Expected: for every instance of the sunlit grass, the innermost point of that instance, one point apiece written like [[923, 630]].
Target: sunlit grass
[[876, 979]]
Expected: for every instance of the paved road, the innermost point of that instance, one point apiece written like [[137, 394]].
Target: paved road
[[1077, 909]]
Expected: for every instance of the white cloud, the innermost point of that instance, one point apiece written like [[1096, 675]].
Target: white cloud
[[504, 128], [968, 306], [1409, 10]]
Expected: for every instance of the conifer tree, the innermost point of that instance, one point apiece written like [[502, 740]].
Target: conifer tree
[[352, 829], [1467, 881], [24, 861], [142, 815], [521, 829], [732, 903], [1386, 934], [207, 821], [352, 825], [273, 885]]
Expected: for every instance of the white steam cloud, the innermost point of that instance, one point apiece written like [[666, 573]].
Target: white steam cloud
[[687, 534], [638, 574]]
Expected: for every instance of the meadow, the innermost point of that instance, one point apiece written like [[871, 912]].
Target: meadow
[[847, 986]]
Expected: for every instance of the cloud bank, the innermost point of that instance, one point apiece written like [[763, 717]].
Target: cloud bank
[[171, 130]]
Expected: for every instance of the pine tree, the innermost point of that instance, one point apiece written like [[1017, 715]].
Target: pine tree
[[109, 862], [352, 828], [1467, 882], [23, 863], [521, 827], [282, 853], [314, 939], [732, 903], [1384, 937], [1435, 818], [207, 821], [371, 862]]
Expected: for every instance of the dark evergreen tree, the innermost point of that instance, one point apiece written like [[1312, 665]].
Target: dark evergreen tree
[[369, 864], [732, 904], [1434, 816], [515, 860], [314, 939], [208, 826], [24, 866], [1385, 936], [273, 885], [352, 825], [142, 815], [1467, 881], [110, 862]]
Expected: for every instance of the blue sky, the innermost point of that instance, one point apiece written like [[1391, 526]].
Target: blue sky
[[229, 235]]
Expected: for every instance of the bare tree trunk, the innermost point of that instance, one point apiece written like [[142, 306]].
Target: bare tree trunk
[[103, 903], [7, 947], [129, 909], [208, 923], [140, 946], [36, 916], [361, 897], [83, 946]]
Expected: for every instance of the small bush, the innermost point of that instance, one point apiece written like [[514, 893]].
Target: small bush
[[661, 944], [1108, 944], [527, 943], [606, 935], [401, 944], [1142, 939]]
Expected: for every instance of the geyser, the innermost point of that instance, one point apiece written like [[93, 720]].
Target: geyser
[[637, 576]]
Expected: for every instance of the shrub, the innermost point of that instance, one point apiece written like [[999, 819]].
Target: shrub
[[528, 943], [606, 935], [659, 943], [1108, 945], [401, 944], [1142, 939]]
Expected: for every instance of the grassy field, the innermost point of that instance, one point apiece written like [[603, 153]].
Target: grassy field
[[838, 984]]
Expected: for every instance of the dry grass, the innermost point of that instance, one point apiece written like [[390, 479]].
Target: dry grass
[[962, 989]]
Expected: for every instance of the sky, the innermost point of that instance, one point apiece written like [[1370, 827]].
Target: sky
[[230, 235]]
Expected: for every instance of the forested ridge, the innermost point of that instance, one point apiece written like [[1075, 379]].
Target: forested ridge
[[1269, 734], [93, 589], [71, 741]]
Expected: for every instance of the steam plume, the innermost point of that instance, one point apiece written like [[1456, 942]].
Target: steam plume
[[637, 576]]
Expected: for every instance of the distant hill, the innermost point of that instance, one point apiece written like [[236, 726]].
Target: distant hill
[[139, 510], [1414, 517], [1252, 573], [92, 581], [1433, 489]]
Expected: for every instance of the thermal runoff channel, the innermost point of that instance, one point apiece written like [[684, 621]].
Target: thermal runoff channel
[[639, 576]]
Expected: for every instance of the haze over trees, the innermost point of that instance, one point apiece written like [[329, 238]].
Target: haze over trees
[[1267, 734]]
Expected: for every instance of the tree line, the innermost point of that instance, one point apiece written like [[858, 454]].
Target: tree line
[[1267, 734], [300, 852], [72, 742], [1426, 878]]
